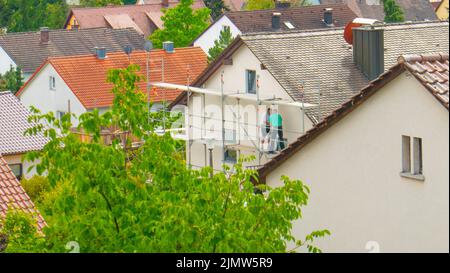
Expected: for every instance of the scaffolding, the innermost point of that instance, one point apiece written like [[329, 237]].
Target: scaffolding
[[256, 99]]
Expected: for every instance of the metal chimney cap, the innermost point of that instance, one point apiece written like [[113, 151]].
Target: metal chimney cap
[[276, 14]]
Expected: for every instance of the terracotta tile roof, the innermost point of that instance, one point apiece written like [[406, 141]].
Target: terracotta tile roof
[[430, 70], [323, 57], [310, 17], [12, 195], [29, 53], [13, 123], [415, 10], [86, 75], [95, 17]]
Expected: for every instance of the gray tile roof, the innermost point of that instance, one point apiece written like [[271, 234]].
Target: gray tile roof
[[29, 53], [13, 123], [323, 58]]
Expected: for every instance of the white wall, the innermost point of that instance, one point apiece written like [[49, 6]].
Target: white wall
[[17, 159], [5, 62], [206, 40], [353, 172], [38, 94], [235, 82]]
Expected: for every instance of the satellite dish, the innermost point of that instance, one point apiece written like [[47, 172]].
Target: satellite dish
[[357, 22], [148, 46]]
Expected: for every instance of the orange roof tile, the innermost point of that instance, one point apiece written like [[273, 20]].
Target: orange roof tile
[[86, 75], [12, 195]]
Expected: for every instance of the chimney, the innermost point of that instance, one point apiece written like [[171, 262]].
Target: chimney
[[368, 51], [45, 35], [282, 4], [100, 53], [276, 20], [168, 46], [328, 16], [165, 3]]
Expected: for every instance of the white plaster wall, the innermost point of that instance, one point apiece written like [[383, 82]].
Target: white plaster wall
[[206, 40], [235, 82], [353, 172], [5, 62], [38, 94], [17, 159]]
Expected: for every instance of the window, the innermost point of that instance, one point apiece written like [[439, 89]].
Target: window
[[17, 170], [250, 79], [60, 114], [231, 156], [417, 155], [52, 83], [406, 158], [412, 162], [289, 25]]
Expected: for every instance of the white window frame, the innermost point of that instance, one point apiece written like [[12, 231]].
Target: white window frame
[[412, 158]]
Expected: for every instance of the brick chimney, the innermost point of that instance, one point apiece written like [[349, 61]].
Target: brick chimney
[[45, 35]]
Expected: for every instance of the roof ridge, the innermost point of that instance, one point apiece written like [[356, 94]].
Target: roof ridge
[[288, 9], [66, 30], [118, 6], [440, 57]]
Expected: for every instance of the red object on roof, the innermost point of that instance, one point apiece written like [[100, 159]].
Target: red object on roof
[[13, 196], [86, 75], [357, 22]]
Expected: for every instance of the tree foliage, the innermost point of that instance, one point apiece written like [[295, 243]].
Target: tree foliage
[[217, 8], [225, 38], [30, 15], [392, 12], [270, 4], [125, 198], [100, 3], [182, 24], [12, 80]]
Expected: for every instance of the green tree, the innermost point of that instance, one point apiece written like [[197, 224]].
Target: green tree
[[125, 198], [30, 15], [225, 38], [217, 8], [182, 24], [100, 3], [12, 80], [270, 4], [392, 12]]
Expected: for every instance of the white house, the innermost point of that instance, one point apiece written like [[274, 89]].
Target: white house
[[283, 70], [79, 84], [378, 167], [280, 19]]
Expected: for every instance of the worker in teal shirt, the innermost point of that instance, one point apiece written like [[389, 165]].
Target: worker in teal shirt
[[276, 124]]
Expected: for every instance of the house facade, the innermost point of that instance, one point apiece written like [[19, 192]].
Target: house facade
[[285, 70], [61, 85], [29, 50], [442, 10], [280, 19], [378, 166], [13, 143]]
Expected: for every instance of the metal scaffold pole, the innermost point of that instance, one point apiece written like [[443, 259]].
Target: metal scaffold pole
[[223, 119], [258, 126]]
